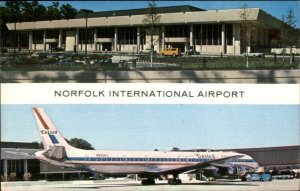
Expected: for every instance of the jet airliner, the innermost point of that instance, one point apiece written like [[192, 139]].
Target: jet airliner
[[148, 165]]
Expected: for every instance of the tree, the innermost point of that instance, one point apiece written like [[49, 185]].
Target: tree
[[53, 12], [33, 11], [40, 144], [13, 11], [288, 32], [175, 149], [246, 31], [80, 143], [75, 142], [67, 11], [152, 19]]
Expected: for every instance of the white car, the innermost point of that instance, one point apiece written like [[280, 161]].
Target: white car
[[254, 54], [147, 50]]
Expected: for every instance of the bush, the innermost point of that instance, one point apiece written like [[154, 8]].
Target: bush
[[49, 61]]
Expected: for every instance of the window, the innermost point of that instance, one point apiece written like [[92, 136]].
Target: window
[[127, 35], [217, 29], [90, 36], [204, 35], [38, 37], [177, 31], [209, 34], [229, 34], [52, 34], [105, 32]]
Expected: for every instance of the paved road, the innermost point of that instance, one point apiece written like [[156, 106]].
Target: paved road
[[218, 185]]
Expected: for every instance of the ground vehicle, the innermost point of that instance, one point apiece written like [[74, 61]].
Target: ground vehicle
[[171, 52], [3, 50], [66, 62], [192, 51], [254, 177], [147, 50], [254, 54], [266, 177], [259, 177]]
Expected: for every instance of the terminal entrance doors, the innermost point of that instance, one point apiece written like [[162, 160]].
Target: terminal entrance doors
[[70, 40]]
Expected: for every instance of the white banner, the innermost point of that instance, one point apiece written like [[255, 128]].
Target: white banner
[[151, 93]]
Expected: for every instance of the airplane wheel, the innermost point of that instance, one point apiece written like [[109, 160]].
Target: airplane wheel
[[174, 181], [179, 181], [149, 181]]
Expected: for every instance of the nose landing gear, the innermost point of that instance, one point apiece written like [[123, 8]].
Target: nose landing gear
[[174, 181], [148, 181]]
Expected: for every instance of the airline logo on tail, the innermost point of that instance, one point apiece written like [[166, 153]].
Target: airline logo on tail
[[46, 130]]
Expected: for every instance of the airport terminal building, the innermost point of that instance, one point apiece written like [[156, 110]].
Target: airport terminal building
[[206, 31]]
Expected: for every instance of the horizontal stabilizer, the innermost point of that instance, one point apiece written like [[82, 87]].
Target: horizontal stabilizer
[[56, 153]]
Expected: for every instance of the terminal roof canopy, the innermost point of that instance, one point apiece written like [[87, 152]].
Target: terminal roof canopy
[[173, 15], [143, 11]]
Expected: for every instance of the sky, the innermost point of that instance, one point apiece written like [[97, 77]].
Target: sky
[[160, 126], [275, 8]]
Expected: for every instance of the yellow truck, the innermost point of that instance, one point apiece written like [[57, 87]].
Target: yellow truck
[[171, 52]]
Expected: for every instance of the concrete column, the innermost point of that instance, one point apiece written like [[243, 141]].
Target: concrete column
[[163, 37], [233, 37], [116, 40], [237, 39], [77, 39], [261, 38], [223, 38], [138, 39], [95, 39], [192, 35], [25, 169], [44, 39], [5, 170], [101, 47], [60, 39], [30, 40], [267, 38]]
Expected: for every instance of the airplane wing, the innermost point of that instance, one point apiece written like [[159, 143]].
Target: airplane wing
[[218, 162]]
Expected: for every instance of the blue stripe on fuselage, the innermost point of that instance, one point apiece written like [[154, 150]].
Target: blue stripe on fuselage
[[136, 159]]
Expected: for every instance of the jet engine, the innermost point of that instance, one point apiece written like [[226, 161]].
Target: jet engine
[[232, 170]]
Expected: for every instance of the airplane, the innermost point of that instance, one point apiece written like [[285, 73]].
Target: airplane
[[148, 165]]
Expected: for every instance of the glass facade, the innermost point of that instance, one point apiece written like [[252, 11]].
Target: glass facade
[[208, 34], [90, 36], [127, 35], [38, 37]]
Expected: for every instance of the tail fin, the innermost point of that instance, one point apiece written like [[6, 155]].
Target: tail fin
[[49, 134]]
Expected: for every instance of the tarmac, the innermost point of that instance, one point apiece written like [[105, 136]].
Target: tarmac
[[124, 185]]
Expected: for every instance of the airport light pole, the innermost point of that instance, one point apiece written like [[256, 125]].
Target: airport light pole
[[86, 12]]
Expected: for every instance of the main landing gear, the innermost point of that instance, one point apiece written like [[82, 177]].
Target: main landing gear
[[148, 181], [174, 181]]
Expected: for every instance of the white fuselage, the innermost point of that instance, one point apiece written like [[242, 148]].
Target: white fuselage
[[137, 162]]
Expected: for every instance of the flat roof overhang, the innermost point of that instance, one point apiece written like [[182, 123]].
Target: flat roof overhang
[[195, 17]]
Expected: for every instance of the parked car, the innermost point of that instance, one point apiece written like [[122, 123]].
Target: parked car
[[147, 50], [254, 54], [66, 62], [267, 177], [3, 50], [192, 52], [254, 177], [171, 52], [259, 177]]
